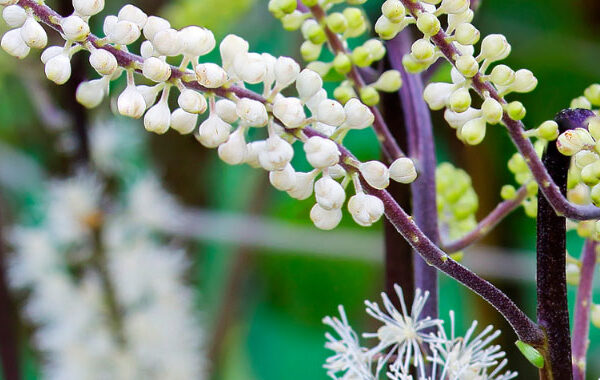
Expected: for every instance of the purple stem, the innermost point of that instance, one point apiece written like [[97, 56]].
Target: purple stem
[[488, 223], [421, 148], [515, 129], [552, 304], [581, 320]]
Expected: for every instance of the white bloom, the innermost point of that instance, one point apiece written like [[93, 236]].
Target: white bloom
[[226, 110], [329, 193], [74, 28], [250, 68], [403, 170], [325, 219], [131, 103], [210, 75], [90, 94], [495, 47], [252, 112], [14, 15], [122, 32], [253, 149], [283, 180], [230, 48], [158, 118], [88, 7], [375, 173], [133, 14], [331, 112], [183, 121], [365, 209], [167, 42], [154, 25], [358, 115], [34, 34], [197, 41], [321, 153], [58, 69], [436, 95], [233, 151], [13, 44], [303, 186], [103, 61], [290, 111], [276, 154], [308, 84], [286, 71], [156, 69], [213, 132]]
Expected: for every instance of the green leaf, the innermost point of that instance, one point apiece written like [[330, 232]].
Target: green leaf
[[533, 355]]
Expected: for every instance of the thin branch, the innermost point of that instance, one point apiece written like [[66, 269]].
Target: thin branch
[[389, 145], [488, 223], [421, 148], [515, 129], [581, 319]]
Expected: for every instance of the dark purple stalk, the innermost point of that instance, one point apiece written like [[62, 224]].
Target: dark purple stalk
[[421, 148], [488, 223], [581, 320], [552, 305]]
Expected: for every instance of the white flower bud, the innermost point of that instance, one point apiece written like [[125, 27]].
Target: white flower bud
[[14, 15], [308, 84], [329, 193], [124, 33], [524, 81], [88, 8], [269, 78], [197, 41], [436, 94], [210, 75], [495, 47], [331, 112], [502, 75], [154, 25], [58, 69], [133, 14], [74, 28], [283, 180], [109, 24], [252, 112], [593, 125], [303, 186], [213, 132], [572, 141], [403, 170], [365, 209], [149, 93], [167, 42], [34, 34], [457, 120], [325, 219], [253, 149], [358, 115], [286, 71], [276, 154], [13, 44], [103, 61], [226, 109], [454, 6], [325, 129], [336, 171], [455, 19], [492, 111], [321, 153], [131, 103], [422, 49], [156, 69], [473, 132], [51, 52], [230, 48], [466, 34], [183, 122], [595, 315], [313, 102], [290, 111], [573, 274], [192, 101], [158, 118], [146, 49], [467, 65], [8, 2], [375, 173], [90, 94], [250, 68], [233, 152]]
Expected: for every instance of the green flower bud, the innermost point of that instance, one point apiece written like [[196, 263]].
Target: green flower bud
[[492, 111], [467, 66], [532, 188], [592, 94], [344, 93], [466, 34], [310, 3], [369, 96], [548, 130], [387, 29], [412, 65], [573, 274], [593, 125], [516, 110], [508, 192], [355, 18], [287, 6], [293, 21], [389, 81], [342, 63], [275, 10], [316, 34], [531, 207], [580, 194], [517, 164], [375, 48], [502, 75], [460, 100], [595, 195], [393, 10], [337, 22], [310, 51], [595, 315], [422, 50], [521, 178], [531, 354], [428, 24], [581, 102], [319, 67], [473, 132], [361, 57]]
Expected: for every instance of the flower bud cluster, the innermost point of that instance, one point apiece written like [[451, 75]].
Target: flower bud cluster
[[524, 177], [457, 201], [318, 29], [470, 122]]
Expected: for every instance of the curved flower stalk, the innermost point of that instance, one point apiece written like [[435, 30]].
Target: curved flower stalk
[[450, 357], [156, 335]]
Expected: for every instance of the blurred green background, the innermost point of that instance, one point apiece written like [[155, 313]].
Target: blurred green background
[[265, 300]]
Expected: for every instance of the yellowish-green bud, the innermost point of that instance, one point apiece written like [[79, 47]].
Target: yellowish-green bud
[[581, 102], [375, 48], [369, 96], [460, 100], [593, 124], [531, 206], [342, 63], [354, 17], [321, 68], [592, 94], [517, 164], [532, 188], [315, 34], [508, 192], [502, 75], [293, 21], [580, 194], [428, 24], [595, 315], [412, 65], [467, 65], [548, 130], [466, 34], [361, 57], [337, 22], [310, 3], [492, 110], [531, 354], [310, 51], [422, 49], [590, 175], [393, 10], [574, 140], [585, 158], [387, 29], [389, 81], [473, 131], [516, 110], [344, 93], [595, 195], [573, 274]]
